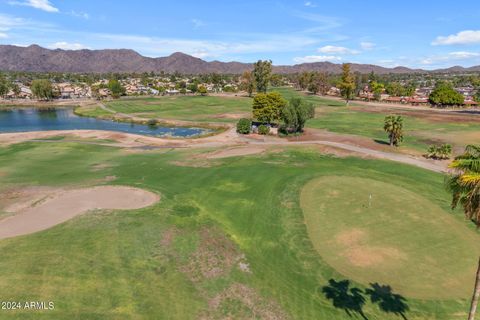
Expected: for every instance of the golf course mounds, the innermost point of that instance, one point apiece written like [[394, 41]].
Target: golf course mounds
[[372, 231]]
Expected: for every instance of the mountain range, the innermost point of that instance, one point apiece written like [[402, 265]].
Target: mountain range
[[37, 59]]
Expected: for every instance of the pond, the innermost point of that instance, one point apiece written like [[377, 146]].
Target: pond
[[34, 119]]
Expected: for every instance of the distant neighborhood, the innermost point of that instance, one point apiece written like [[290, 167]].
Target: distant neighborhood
[[412, 89]]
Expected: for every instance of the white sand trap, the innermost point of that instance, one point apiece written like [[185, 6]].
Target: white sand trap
[[65, 205]]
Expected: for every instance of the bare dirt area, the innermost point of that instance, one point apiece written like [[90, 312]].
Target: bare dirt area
[[360, 254], [232, 115], [215, 256], [325, 135], [46, 207], [235, 152], [242, 302], [121, 139]]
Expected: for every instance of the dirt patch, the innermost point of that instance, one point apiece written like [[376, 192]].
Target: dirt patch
[[215, 256], [242, 302], [366, 256], [235, 152], [100, 166], [60, 206], [360, 254], [193, 163], [232, 115], [350, 237], [168, 236]]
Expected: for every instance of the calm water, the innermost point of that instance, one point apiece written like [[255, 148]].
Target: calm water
[[31, 119]]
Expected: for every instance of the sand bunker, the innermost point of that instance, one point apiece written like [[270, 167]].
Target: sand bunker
[[65, 205]]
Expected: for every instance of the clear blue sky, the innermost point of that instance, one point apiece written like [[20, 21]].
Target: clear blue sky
[[426, 34]]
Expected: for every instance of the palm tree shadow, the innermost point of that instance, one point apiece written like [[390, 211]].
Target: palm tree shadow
[[388, 301], [344, 297]]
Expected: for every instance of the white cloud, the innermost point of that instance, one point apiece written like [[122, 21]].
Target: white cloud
[[463, 54], [152, 46], [80, 14], [462, 37], [310, 4], [44, 5], [367, 45], [309, 59], [452, 56], [337, 50], [67, 46], [202, 54], [3, 35], [197, 23], [7, 22]]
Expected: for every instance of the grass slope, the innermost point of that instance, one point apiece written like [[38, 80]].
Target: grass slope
[[190, 108], [119, 265]]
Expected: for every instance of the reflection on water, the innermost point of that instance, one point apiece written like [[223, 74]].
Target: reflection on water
[[32, 119]]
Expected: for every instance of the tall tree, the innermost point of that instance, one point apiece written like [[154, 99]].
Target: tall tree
[[464, 184], [377, 89], [393, 125], [4, 87], [16, 89], [42, 89], [347, 83], [261, 72], [116, 88], [318, 82], [268, 106], [276, 80], [445, 95], [202, 90], [304, 79], [247, 83], [295, 114]]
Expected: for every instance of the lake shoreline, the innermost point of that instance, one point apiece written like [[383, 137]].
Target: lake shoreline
[[54, 118]]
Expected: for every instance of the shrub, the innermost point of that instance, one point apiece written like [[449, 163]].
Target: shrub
[[441, 152], [244, 126], [263, 129], [152, 122]]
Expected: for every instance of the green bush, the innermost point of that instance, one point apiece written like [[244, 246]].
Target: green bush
[[152, 122], [244, 126], [441, 152], [263, 129]]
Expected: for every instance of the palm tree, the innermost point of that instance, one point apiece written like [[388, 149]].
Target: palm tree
[[464, 184], [393, 125]]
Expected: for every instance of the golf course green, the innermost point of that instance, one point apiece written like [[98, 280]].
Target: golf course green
[[262, 236], [374, 231]]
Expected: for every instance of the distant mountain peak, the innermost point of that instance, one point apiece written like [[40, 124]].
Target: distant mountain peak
[[37, 59], [180, 54]]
